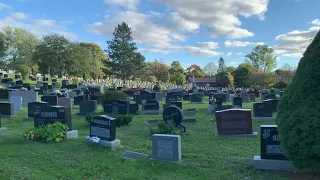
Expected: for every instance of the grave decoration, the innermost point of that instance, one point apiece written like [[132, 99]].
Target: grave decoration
[[175, 114]]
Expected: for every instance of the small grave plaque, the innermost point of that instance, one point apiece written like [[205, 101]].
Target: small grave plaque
[[133, 155]]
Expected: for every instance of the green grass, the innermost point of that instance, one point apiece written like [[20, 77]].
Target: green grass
[[204, 156]]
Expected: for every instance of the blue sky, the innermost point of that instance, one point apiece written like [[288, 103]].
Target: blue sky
[[190, 31]]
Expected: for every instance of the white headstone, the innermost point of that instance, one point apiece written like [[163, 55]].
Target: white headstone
[[27, 96], [17, 102]]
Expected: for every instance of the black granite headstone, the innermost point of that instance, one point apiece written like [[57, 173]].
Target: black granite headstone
[[35, 108], [237, 101], [88, 107], [51, 99], [270, 143], [4, 94], [133, 108], [51, 115], [177, 103], [173, 113], [262, 110], [186, 97], [151, 105], [103, 127], [6, 109], [272, 103]]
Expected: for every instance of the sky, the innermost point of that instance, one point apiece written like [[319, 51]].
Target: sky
[[188, 31]]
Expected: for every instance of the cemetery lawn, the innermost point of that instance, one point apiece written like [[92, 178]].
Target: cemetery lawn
[[204, 156]]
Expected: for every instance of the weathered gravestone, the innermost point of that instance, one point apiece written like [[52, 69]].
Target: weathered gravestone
[[87, 107], [17, 102], [150, 107], [272, 156], [133, 108], [196, 99], [35, 108], [262, 111], [51, 99], [104, 127], [166, 147], [272, 103], [235, 122], [6, 109], [237, 101]]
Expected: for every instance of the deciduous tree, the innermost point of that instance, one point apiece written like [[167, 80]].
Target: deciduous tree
[[262, 58]]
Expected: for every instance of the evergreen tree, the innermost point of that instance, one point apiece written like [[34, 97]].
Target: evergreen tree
[[221, 77], [125, 60], [298, 116]]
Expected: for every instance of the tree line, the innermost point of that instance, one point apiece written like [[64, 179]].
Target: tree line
[[56, 55]]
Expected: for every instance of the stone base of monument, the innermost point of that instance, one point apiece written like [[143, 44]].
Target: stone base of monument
[[3, 129], [29, 119], [254, 135], [189, 113], [72, 134], [196, 102], [113, 145], [150, 112], [263, 118], [271, 164]]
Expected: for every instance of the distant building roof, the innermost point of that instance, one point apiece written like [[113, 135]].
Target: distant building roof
[[202, 80]]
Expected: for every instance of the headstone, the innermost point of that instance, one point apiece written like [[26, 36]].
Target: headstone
[[186, 97], [17, 102], [6, 109], [252, 97], [65, 102], [150, 107], [196, 99], [166, 147], [51, 99], [20, 82], [87, 107], [103, 127], [261, 111], [133, 155], [235, 122], [117, 107], [237, 101], [78, 99], [177, 103], [272, 156], [133, 108], [4, 94], [51, 115], [272, 103], [245, 97], [27, 96], [35, 108], [173, 113], [270, 96]]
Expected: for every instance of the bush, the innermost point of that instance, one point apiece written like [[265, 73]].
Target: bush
[[157, 87], [50, 133], [151, 79], [57, 85], [163, 128], [298, 116], [112, 95], [121, 119], [280, 85]]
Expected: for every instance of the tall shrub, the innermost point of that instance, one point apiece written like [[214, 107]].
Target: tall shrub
[[298, 116]]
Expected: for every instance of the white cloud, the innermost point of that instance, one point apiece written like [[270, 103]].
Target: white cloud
[[241, 43], [220, 17], [232, 63], [130, 4], [4, 6], [208, 45], [19, 15], [155, 37], [229, 54], [316, 22], [294, 44], [239, 54], [39, 27]]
